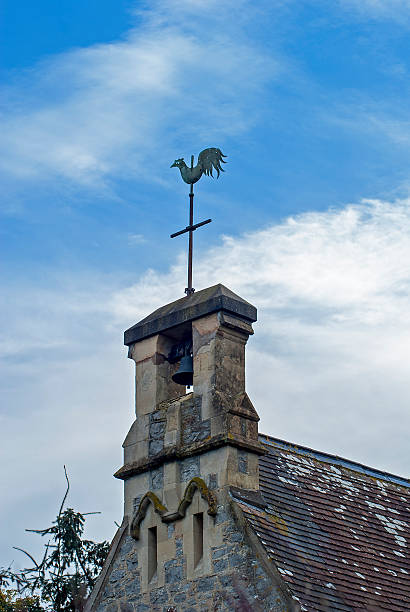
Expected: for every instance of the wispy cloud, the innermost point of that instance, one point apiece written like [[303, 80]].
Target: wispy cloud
[[396, 10], [327, 367], [378, 125], [91, 112], [332, 290], [335, 260], [186, 73], [135, 239]]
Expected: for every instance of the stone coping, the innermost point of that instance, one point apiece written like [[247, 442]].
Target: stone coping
[[101, 580], [199, 304], [172, 454]]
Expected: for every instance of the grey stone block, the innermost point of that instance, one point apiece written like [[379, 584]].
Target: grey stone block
[[235, 560], [234, 536], [111, 607], [259, 573], [126, 548], [194, 429], [220, 565], [173, 573], [179, 597], [107, 591], [133, 588], [213, 481], [155, 447], [156, 478], [116, 575], [222, 515], [189, 468], [206, 584], [118, 590], [217, 553], [179, 547], [132, 563], [225, 581], [242, 462], [262, 586], [157, 429], [243, 427], [156, 416], [159, 596]]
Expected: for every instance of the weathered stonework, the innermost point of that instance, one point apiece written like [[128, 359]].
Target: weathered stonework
[[183, 543], [203, 529], [230, 567]]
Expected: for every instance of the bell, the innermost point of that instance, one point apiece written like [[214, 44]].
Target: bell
[[185, 372]]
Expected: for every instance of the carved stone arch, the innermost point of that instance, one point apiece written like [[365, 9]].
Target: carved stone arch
[[139, 515], [196, 484]]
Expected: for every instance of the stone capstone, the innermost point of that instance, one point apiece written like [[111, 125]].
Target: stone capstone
[[199, 304]]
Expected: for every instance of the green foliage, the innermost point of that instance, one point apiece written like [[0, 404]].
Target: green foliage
[[9, 602], [65, 576]]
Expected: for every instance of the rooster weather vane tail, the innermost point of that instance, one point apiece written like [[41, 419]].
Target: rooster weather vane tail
[[208, 160]]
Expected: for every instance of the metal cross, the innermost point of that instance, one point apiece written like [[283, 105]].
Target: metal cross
[[190, 228]]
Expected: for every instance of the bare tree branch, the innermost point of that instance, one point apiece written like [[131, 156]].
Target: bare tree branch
[[66, 493], [28, 555], [69, 566]]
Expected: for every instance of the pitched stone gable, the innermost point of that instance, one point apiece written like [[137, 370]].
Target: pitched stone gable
[[234, 565], [215, 513]]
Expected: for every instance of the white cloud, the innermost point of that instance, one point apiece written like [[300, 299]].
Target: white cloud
[[108, 109], [342, 263], [328, 365], [135, 239], [375, 118], [396, 10], [333, 336]]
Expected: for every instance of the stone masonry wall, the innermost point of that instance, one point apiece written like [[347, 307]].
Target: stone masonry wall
[[183, 546], [232, 567]]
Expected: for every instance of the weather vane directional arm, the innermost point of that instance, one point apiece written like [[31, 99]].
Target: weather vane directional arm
[[208, 160]]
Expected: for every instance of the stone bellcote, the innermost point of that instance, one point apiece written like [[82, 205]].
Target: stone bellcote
[[210, 433], [191, 460]]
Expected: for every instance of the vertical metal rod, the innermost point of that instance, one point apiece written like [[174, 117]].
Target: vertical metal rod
[[189, 290]]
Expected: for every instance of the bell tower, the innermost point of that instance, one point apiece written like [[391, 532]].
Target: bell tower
[[190, 455], [209, 433], [192, 449]]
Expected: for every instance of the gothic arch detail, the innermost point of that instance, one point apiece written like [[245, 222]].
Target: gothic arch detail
[[193, 485], [168, 517], [149, 498]]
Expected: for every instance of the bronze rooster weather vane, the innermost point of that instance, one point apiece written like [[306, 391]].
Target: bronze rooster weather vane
[[208, 160]]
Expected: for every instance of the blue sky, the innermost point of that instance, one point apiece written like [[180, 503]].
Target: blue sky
[[310, 101], [307, 103]]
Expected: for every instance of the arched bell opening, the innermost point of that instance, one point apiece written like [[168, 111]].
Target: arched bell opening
[[181, 353]]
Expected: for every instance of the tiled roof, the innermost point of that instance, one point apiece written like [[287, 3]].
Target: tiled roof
[[338, 532]]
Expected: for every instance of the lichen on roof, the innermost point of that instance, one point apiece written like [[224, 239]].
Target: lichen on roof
[[338, 532]]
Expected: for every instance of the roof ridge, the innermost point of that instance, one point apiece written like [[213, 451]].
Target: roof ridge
[[336, 459]]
